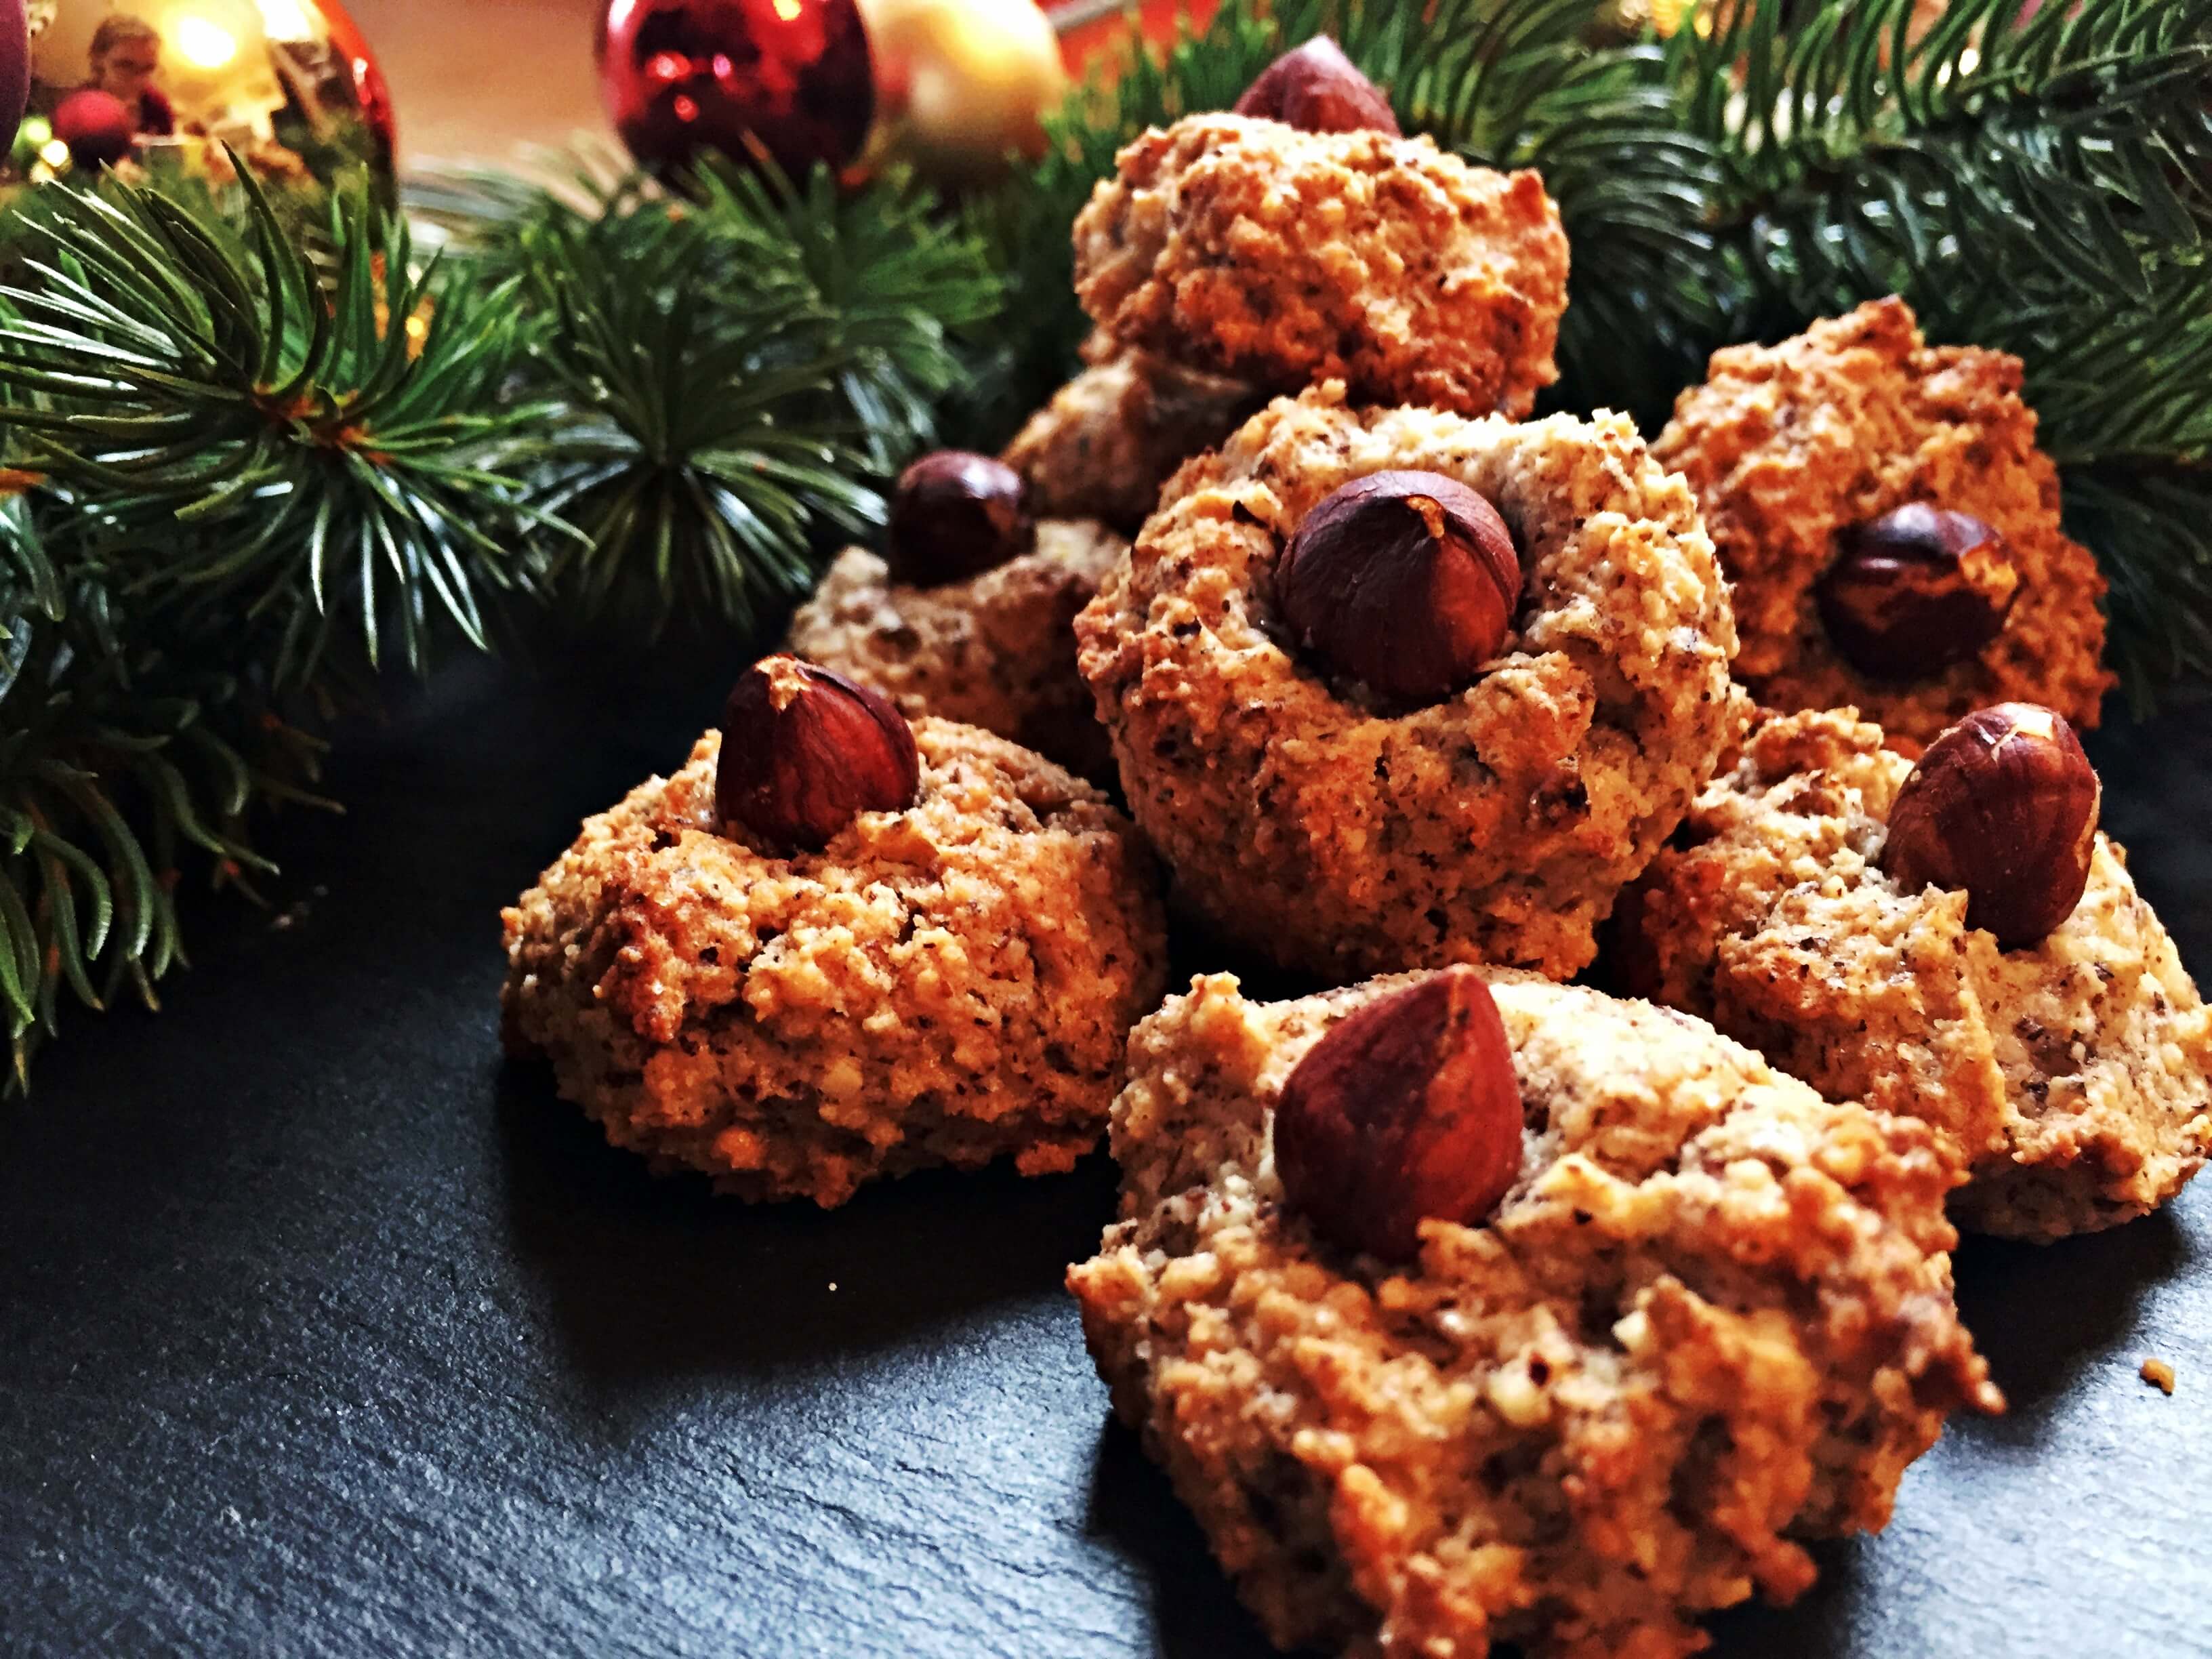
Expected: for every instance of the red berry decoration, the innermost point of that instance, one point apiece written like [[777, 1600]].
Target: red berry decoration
[[14, 66], [96, 126], [790, 79]]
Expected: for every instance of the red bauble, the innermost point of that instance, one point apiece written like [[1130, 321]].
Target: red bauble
[[96, 126], [14, 68], [681, 76]]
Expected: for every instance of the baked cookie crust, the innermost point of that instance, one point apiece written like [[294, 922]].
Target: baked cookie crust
[[1787, 445], [997, 650], [1713, 1316], [945, 985], [2074, 1077], [1339, 837], [1114, 434], [1242, 245]]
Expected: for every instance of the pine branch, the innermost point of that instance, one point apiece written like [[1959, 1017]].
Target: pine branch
[[235, 438]]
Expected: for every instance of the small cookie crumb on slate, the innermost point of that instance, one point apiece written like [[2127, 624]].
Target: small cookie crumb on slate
[[996, 651], [1342, 838], [1712, 1317], [943, 985], [2074, 1074], [1787, 445], [2159, 1375], [1114, 434], [1243, 246]]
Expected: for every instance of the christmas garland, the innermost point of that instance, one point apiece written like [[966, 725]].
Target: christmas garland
[[245, 469]]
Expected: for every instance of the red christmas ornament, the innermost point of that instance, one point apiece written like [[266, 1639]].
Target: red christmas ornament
[[793, 77], [14, 68], [97, 128]]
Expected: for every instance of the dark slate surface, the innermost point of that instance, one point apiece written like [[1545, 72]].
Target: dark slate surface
[[321, 1331]]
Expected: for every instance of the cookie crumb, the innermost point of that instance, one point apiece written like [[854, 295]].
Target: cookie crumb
[[2159, 1375]]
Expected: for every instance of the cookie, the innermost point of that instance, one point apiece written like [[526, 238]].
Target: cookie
[[1789, 446], [2069, 1076], [1113, 435], [1711, 1316], [1332, 834], [944, 985], [995, 651], [1243, 246]]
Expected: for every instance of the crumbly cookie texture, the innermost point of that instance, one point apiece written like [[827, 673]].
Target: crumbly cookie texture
[[997, 650], [1342, 838], [1114, 434], [1713, 1316], [942, 985], [2070, 1076], [1242, 245], [1787, 445]]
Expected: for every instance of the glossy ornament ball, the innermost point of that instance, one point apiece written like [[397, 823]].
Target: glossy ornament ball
[[962, 84], [175, 87], [789, 79], [15, 66]]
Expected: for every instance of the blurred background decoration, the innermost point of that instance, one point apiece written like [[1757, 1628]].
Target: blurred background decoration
[[161, 87]]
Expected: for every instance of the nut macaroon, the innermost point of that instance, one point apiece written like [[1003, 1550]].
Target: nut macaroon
[[1955, 940], [1705, 1314], [1114, 434], [1242, 245], [1452, 751], [1889, 529], [834, 946], [973, 623]]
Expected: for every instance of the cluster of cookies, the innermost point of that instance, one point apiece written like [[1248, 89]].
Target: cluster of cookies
[[1461, 1305]]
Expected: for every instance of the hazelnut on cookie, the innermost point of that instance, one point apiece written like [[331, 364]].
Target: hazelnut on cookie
[[1114, 434], [1393, 688], [1954, 939], [1299, 238], [1889, 529], [967, 613], [1466, 1310], [837, 945]]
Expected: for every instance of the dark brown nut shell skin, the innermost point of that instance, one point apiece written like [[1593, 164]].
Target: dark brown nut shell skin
[[1915, 591], [954, 516], [1405, 581], [2003, 805], [1407, 1109], [1316, 89], [805, 751]]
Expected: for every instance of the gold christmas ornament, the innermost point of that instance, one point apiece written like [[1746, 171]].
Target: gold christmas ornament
[[961, 83]]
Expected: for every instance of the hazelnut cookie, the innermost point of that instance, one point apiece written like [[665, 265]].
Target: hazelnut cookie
[[1559, 731], [996, 650], [1114, 434], [943, 983], [2067, 1072], [1710, 1315], [1889, 529], [1242, 245]]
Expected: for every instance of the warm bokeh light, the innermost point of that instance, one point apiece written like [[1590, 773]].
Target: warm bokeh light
[[205, 45]]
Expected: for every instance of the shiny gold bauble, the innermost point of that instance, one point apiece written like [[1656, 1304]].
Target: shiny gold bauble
[[961, 84]]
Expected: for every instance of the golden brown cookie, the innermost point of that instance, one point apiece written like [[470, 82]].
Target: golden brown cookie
[[2071, 1075], [1114, 434], [1331, 832], [1788, 446], [997, 650], [1711, 1316], [944, 985], [1239, 245]]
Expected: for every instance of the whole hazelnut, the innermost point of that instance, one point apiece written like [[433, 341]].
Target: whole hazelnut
[[1407, 1109], [1405, 581], [956, 514], [2004, 805], [1916, 590], [805, 751], [1316, 89]]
